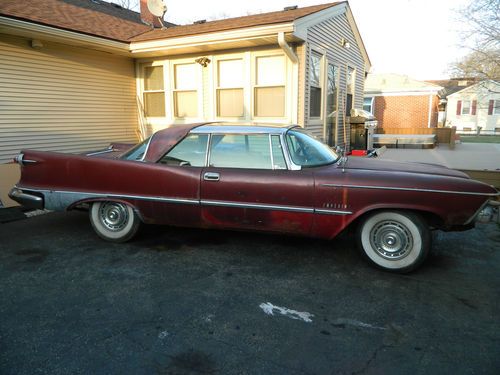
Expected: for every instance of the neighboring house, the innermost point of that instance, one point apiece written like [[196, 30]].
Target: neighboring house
[[398, 101], [475, 108], [78, 74], [450, 86]]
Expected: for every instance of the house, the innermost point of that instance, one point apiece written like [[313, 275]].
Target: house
[[78, 74], [450, 86], [475, 109], [398, 101]]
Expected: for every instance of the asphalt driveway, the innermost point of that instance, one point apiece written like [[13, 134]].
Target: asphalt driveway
[[181, 301]]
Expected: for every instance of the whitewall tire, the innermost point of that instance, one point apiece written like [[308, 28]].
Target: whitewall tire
[[114, 221], [397, 241]]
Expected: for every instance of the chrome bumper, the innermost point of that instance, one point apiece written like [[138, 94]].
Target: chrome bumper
[[26, 199], [489, 213]]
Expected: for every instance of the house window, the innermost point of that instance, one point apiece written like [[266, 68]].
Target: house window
[[315, 86], [154, 92], [350, 90], [496, 107], [351, 80], [466, 107], [230, 88], [368, 104], [185, 90], [331, 104], [269, 90]]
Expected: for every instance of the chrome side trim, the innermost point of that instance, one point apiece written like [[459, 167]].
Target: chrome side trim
[[412, 189], [257, 206], [332, 212], [108, 150], [67, 198], [146, 149]]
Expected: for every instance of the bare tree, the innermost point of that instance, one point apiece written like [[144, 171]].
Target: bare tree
[[481, 35], [128, 4]]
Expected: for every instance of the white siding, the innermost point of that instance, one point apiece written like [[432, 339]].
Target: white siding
[[326, 36], [482, 92], [60, 98]]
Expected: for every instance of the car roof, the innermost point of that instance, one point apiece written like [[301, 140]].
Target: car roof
[[163, 140], [242, 128]]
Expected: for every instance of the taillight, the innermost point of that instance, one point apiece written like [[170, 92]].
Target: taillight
[[19, 159]]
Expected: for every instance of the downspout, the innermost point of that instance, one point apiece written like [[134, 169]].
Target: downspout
[[286, 48], [430, 111], [293, 113]]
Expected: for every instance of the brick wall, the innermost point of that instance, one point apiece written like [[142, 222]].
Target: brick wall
[[405, 111]]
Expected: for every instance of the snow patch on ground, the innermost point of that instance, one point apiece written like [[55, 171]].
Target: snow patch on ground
[[270, 309]]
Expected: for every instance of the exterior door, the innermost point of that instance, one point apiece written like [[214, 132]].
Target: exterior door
[[331, 105]]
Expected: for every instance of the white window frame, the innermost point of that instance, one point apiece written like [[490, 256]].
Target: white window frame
[[287, 86], [372, 101], [173, 90], [317, 120], [463, 106], [214, 82], [353, 82], [165, 90], [496, 107], [337, 85]]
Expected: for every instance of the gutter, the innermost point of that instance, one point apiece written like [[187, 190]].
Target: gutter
[[189, 41], [52, 34]]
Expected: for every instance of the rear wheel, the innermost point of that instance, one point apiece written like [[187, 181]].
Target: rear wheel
[[395, 241], [114, 221]]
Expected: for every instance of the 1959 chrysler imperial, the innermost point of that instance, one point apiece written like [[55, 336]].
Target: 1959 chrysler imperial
[[256, 177]]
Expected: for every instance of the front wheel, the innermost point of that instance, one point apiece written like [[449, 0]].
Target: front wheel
[[113, 221], [395, 241]]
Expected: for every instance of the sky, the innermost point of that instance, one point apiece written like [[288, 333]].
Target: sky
[[418, 38]]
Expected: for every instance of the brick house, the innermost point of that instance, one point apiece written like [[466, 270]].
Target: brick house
[[398, 101]]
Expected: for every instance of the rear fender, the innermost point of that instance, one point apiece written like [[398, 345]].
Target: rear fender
[[89, 201]]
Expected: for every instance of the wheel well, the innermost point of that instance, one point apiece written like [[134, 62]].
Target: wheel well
[[86, 204], [432, 219]]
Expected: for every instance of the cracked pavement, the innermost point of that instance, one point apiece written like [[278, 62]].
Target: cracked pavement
[[184, 301]]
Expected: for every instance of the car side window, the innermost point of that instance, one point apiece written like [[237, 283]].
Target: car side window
[[278, 155], [191, 151], [240, 151], [137, 152]]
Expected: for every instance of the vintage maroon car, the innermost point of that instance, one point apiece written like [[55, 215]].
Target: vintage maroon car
[[246, 177]]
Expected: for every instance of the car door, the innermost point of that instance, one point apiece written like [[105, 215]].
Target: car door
[[177, 183], [247, 186]]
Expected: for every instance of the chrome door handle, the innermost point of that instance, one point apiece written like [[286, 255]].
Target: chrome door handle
[[211, 176]]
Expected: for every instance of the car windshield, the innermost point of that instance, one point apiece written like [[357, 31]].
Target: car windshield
[[307, 151], [137, 152]]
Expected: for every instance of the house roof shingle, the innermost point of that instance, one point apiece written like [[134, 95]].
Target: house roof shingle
[[107, 20], [92, 17], [232, 23], [454, 85]]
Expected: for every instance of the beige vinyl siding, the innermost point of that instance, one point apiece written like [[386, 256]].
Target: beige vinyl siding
[[326, 36], [61, 98]]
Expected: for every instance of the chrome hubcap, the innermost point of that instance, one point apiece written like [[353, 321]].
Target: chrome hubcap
[[391, 240], [114, 216]]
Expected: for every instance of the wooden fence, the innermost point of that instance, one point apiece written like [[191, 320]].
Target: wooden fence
[[443, 135]]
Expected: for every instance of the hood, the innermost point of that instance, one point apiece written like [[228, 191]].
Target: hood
[[397, 166]]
